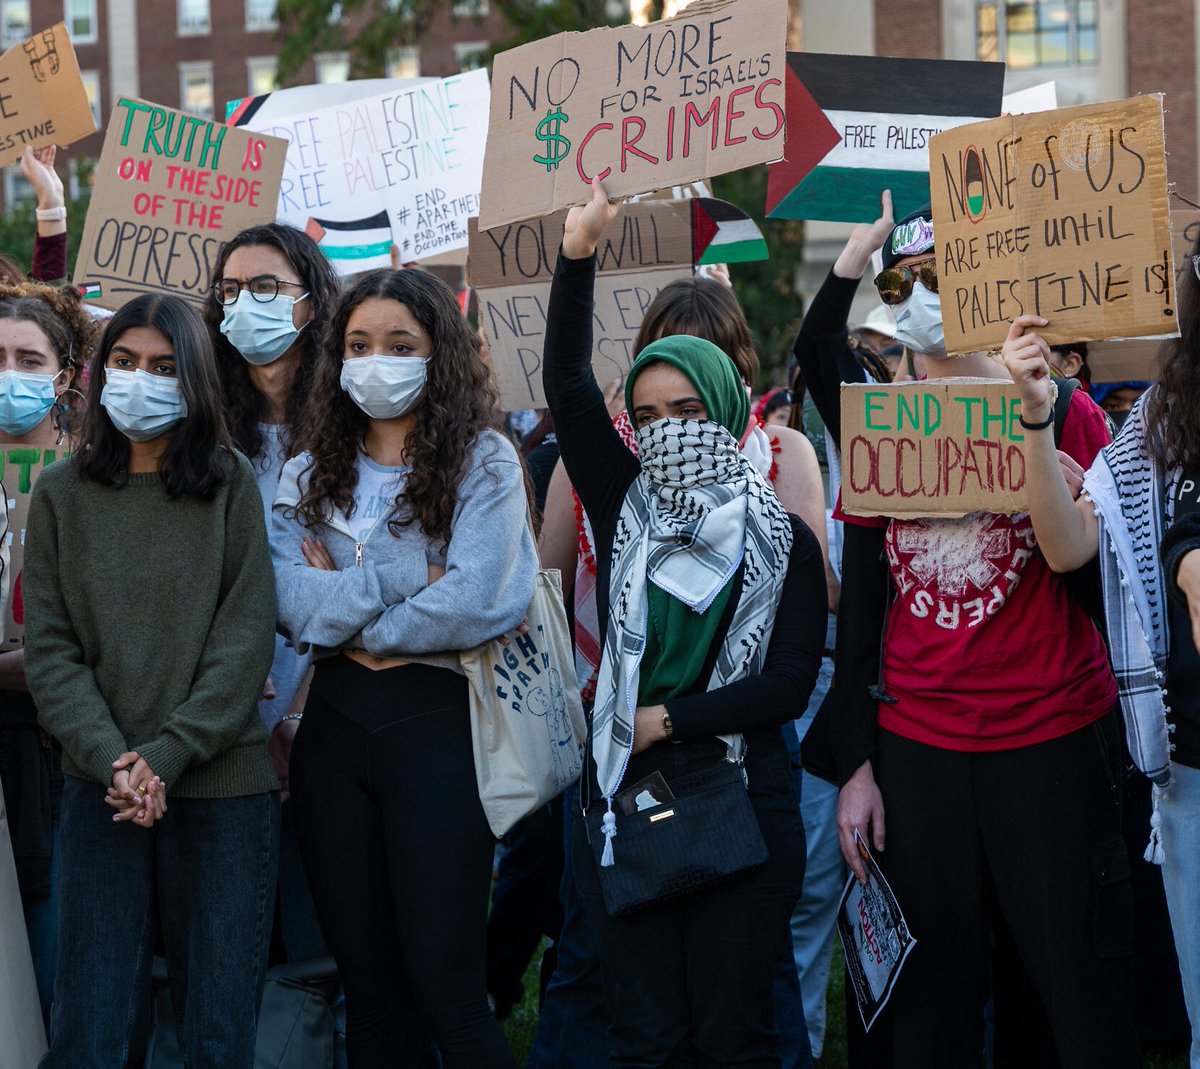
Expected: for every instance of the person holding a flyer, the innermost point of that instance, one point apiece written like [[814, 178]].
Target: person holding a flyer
[[985, 761]]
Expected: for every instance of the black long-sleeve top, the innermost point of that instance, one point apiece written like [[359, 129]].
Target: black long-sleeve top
[[602, 469]]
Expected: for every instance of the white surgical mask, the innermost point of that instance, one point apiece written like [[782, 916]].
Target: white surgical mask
[[25, 398], [919, 323], [142, 406], [262, 331], [384, 387]]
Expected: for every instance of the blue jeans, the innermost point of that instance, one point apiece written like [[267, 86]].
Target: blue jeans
[[1179, 808], [815, 916], [41, 914], [206, 875]]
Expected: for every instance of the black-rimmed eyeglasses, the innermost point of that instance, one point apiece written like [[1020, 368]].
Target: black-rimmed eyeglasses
[[264, 288]]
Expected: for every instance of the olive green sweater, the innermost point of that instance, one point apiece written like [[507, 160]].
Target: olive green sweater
[[151, 627]]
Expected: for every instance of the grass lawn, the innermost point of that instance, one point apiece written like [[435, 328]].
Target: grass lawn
[[521, 1025]]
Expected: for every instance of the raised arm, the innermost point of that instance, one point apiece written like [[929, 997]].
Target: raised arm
[[597, 462], [1066, 530]]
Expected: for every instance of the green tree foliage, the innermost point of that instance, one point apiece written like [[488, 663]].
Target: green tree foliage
[[19, 225]]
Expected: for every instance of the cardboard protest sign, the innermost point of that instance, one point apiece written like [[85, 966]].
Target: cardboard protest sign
[[42, 98], [20, 465], [641, 107], [651, 244], [401, 166], [857, 125], [942, 447], [875, 937], [1059, 213], [1130, 360], [169, 189]]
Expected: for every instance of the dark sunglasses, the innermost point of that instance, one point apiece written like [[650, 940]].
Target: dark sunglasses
[[896, 283]]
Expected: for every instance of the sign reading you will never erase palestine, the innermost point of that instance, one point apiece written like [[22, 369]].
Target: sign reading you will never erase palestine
[[42, 98], [642, 107], [170, 188], [1063, 214]]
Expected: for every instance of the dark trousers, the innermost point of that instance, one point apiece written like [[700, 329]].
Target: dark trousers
[[206, 873], [399, 859], [691, 982], [1040, 828]]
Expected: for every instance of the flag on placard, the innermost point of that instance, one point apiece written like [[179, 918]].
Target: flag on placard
[[858, 125], [724, 234], [367, 241]]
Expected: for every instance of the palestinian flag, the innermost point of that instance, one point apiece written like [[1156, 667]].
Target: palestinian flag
[[723, 234], [356, 244], [857, 125]]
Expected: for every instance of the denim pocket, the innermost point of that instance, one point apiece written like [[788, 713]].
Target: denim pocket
[[1113, 901]]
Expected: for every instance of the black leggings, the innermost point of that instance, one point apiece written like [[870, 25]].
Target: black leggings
[[399, 858]]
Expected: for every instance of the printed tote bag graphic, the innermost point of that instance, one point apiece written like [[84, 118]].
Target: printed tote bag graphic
[[527, 725]]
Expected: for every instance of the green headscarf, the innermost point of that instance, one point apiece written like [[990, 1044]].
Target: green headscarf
[[678, 639], [713, 374]]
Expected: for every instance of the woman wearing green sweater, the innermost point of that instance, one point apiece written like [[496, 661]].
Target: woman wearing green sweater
[[151, 630]]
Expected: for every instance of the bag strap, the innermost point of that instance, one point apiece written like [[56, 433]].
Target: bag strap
[[1062, 404]]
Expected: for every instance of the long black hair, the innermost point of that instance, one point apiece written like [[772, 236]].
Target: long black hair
[[245, 407], [1172, 412], [199, 458]]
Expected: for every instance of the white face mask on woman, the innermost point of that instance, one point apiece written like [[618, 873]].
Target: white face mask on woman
[[262, 331], [142, 406], [384, 387], [919, 322]]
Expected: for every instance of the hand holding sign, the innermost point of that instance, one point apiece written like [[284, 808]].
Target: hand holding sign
[[586, 223], [864, 240], [1027, 357]]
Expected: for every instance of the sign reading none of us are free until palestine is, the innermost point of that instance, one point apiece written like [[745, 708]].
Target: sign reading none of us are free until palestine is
[[640, 107]]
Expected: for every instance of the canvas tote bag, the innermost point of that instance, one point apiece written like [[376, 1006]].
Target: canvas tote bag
[[527, 724]]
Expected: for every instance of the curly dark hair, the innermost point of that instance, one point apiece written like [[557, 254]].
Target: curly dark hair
[[704, 308], [1172, 410], [245, 406], [459, 404], [199, 458], [59, 313]]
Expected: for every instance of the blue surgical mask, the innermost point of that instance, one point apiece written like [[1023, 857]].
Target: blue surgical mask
[[384, 387], [25, 399], [262, 331], [142, 406]]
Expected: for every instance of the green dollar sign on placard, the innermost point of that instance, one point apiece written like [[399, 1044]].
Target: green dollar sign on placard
[[557, 144]]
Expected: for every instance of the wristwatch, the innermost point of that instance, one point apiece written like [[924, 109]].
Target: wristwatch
[[667, 729], [51, 215]]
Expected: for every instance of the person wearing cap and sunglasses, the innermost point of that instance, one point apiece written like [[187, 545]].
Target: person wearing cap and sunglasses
[[988, 744]]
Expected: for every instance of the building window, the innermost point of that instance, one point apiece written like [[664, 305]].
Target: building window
[[333, 67], [1038, 33], [470, 9], [91, 86], [80, 17], [17, 188], [470, 54], [196, 89], [260, 15], [17, 21], [193, 17], [405, 63], [260, 75]]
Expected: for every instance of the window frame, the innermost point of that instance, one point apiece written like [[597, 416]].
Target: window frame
[[192, 67]]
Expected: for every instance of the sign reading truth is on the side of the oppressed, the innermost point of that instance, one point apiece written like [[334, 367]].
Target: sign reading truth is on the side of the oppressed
[[170, 188], [641, 107], [942, 447], [1062, 214], [42, 97]]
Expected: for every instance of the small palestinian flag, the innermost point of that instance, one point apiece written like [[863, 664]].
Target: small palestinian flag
[[356, 244], [90, 291], [723, 234], [857, 125]]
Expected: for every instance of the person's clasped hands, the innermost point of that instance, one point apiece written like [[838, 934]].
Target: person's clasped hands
[[137, 794]]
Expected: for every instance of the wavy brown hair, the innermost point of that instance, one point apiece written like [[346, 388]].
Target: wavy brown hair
[[1173, 407], [703, 308], [460, 403], [245, 406]]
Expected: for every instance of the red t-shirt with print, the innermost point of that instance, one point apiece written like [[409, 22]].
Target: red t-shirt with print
[[985, 648]]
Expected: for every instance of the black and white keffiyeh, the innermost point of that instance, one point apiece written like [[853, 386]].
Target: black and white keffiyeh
[[696, 511], [1126, 490]]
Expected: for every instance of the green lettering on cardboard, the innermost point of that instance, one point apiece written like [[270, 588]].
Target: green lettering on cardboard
[[213, 143], [874, 402]]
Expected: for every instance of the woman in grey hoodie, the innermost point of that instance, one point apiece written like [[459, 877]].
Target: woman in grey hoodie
[[399, 539]]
